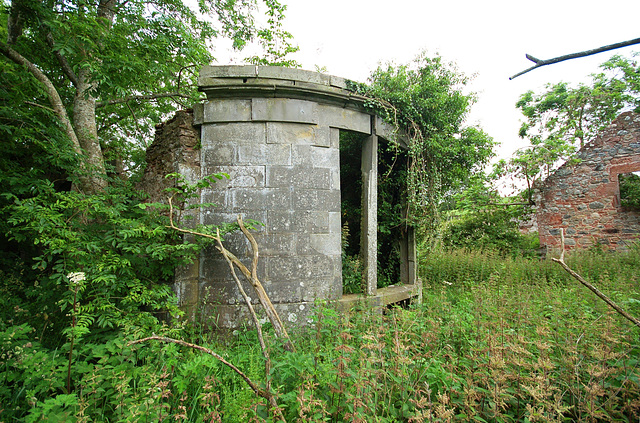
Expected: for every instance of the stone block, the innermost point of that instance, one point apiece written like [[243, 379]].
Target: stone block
[[305, 268], [261, 199], [302, 222], [336, 81], [220, 216], [279, 176], [316, 200], [313, 156], [248, 71], [221, 155], [218, 111], [328, 289], [293, 133], [335, 222], [298, 75], [339, 117], [283, 291], [303, 245], [284, 110], [314, 178], [327, 244], [262, 154], [239, 176], [218, 197], [216, 135], [276, 244]]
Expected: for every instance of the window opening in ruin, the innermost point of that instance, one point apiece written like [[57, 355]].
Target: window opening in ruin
[[629, 184], [392, 214], [351, 211]]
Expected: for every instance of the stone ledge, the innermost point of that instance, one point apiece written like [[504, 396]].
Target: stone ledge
[[264, 81], [384, 296]]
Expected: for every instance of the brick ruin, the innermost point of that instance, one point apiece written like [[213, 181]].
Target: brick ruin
[[584, 198]]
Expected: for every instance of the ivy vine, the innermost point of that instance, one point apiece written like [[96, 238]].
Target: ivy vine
[[426, 102]]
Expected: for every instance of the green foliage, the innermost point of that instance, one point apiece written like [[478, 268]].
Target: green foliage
[[564, 117], [125, 253], [629, 190], [496, 339], [352, 269], [132, 61], [494, 229], [426, 102]]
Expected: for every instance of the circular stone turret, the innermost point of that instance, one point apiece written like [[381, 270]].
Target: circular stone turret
[[275, 131]]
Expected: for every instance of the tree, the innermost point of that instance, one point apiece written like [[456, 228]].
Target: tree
[[98, 64], [427, 101], [564, 118]]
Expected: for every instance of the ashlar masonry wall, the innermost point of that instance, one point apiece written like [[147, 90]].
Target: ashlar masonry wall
[[584, 198], [275, 132]]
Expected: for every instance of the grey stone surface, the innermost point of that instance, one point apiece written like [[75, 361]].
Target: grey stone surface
[[342, 118], [294, 133], [369, 229], [239, 176], [232, 133], [275, 131], [284, 110], [219, 111]]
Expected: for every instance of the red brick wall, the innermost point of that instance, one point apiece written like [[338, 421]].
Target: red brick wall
[[584, 198]]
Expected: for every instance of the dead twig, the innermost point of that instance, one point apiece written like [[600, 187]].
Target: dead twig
[[251, 276], [254, 316], [540, 63], [590, 286], [263, 393]]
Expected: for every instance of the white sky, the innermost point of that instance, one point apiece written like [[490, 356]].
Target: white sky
[[487, 38]]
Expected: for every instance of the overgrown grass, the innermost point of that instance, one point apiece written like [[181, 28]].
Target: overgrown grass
[[495, 340]]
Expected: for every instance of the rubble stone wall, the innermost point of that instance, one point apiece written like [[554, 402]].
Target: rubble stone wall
[[584, 198]]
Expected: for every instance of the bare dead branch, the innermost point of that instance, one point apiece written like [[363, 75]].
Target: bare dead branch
[[254, 316], [590, 286], [281, 331], [266, 394], [539, 63], [269, 309]]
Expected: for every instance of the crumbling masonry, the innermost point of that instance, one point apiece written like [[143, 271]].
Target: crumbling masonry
[[584, 198]]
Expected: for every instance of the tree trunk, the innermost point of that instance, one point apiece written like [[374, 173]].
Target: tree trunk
[[84, 122]]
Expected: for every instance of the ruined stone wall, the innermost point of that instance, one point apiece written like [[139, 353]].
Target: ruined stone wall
[[175, 148], [584, 198]]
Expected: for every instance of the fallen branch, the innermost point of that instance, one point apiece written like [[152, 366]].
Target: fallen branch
[[539, 63], [254, 316], [263, 393], [251, 276], [590, 286]]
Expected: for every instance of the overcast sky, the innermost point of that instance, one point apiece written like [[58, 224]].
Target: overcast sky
[[486, 38]]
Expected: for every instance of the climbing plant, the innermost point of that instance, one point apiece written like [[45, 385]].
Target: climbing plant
[[427, 102]]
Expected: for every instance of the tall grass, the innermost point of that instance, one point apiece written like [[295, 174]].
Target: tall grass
[[496, 340]]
